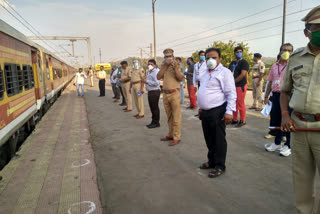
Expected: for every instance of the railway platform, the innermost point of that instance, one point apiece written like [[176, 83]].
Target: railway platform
[[54, 171]]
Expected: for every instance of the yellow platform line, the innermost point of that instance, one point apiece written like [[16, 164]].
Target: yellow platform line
[[70, 188], [29, 197]]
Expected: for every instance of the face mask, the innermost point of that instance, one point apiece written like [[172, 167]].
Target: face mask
[[315, 38], [101, 69], [188, 63], [202, 58], [150, 67], [211, 63], [285, 55], [239, 55]]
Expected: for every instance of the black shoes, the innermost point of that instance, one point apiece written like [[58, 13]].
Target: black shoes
[[234, 122], [122, 104], [241, 124], [153, 125]]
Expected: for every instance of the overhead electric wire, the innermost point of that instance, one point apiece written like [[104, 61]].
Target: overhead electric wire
[[232, 22]]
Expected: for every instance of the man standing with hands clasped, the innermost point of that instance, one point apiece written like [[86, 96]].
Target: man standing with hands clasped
[[217, 100], [137, 84], [257, 82], [302, 83], [172, 76]]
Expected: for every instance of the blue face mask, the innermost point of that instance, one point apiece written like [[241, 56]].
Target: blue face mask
[[202, 58], [188, 63], [239, 55]]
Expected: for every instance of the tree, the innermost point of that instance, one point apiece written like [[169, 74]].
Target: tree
[[227, 54]]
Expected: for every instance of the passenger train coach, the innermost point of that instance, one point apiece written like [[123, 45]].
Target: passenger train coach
[[31, 79]]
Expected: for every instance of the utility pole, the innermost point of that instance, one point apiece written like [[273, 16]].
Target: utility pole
[[72, 41], [284, 21], [141, 53], [154, 30], [150, 50], [100, 54]]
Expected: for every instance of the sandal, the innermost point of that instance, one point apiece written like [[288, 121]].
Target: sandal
[[216, 173], [252, 107], [205, 166]]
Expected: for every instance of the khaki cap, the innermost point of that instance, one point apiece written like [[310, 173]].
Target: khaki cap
[[313, 17], [168, 52]]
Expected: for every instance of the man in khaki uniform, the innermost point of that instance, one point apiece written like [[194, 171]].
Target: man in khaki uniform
[[125, 80], [302, 82], [91, 76], [137, 84], [172, 76], [257, 82]]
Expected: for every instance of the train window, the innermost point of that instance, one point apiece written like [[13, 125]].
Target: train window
[[59, 73], [39, 69], [25, 77], [20, 78], [1, 85], [48, 71], [31, 76], [12, 80], [54, 74]]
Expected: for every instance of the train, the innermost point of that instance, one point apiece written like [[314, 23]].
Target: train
[[31, 80]]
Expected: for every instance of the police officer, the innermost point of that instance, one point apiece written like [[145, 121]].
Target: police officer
[[101, 75], [257, 82], [137, 84], [172, 76], [125, 83], [302, 82]]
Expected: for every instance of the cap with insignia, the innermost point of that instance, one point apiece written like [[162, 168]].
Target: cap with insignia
[[258, 55], [313, 17], [168, 52]]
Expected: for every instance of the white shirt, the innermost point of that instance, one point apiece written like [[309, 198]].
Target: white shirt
[[80, 78], [113, 77], [217, 88], [199, 70]]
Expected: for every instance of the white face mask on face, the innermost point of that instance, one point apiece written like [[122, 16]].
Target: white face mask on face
[[211, 63], [150, 67]]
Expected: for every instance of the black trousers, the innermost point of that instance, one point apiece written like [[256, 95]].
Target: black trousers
[[214, 131], [153, 99], [121, 92], [102, 88]]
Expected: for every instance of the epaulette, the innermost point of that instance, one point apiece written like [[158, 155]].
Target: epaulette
[[298, 50]]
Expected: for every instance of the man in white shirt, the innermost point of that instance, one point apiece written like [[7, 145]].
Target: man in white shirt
[[101, 75], [216, 100], [79, 81], [113, 81], [199, 69]]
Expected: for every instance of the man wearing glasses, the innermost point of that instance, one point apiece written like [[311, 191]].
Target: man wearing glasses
[[302, 83]]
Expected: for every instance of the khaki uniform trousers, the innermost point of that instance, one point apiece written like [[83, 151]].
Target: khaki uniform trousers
[[91, 80], [171, 104], [257, 93], [305, 161], [138, 99], [127, 95]]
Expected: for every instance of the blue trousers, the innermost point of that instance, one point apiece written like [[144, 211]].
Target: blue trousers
[[276, 115], [82, 89], [182, 93]]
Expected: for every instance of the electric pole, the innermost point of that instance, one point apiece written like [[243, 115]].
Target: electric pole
[[284, 21], [141, 53], [150, 50], [154, 30], [100, 54]]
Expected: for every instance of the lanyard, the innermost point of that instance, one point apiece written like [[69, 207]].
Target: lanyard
[[210, 71], [235, 66], [281, 70], [200, 65]]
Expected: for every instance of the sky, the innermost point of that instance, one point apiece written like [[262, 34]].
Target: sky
[[121, 28]]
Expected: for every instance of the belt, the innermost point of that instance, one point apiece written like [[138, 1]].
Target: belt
[[255, 77], [170, 91], [133, 83], [307, 117]]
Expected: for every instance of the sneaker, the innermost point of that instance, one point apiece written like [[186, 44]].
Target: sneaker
[[273, 147], [284, 139], [241, 124], [269, 136], [285, 151], [234, 122]]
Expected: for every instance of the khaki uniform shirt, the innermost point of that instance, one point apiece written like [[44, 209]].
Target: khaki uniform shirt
[[302, 78], [126, 74], [91, 73], [258, 69], [137, 75], [102, 74], [170, 81]]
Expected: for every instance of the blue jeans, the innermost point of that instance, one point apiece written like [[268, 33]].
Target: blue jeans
[[82, 89], [182, 93]]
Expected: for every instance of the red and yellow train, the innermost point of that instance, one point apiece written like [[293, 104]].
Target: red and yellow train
[[31, 79]]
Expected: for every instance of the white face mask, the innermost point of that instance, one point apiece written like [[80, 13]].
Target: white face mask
[[136, 65], [150, 67], [211, 63]]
